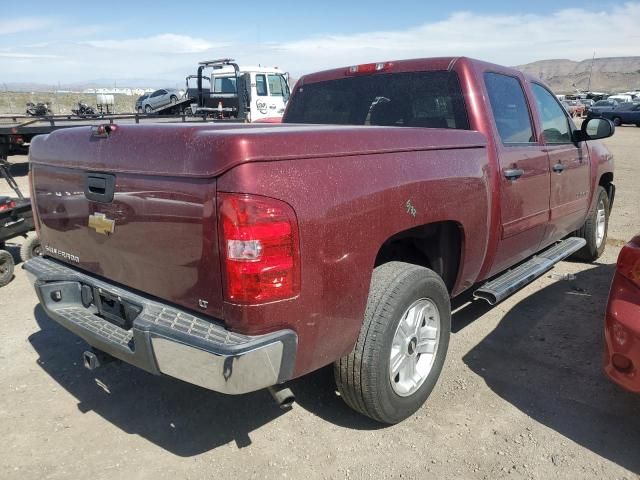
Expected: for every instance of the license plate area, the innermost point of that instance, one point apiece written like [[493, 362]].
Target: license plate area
[[115, 309]]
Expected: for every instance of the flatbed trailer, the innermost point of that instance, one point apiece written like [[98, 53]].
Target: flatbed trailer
[[17, 131]]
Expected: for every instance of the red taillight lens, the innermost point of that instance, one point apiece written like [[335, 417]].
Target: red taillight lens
[[7, 206], [629, 262], [36, 218], [260, 248]]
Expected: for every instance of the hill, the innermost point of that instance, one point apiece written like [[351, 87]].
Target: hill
[[613, 74]]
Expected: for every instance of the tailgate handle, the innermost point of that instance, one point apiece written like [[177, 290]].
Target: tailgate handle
[[100, 187]]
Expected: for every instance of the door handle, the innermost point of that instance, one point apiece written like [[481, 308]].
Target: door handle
[[513, 173], [558, 168]]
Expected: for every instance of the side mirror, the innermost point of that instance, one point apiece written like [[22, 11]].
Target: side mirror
[[596, 128]]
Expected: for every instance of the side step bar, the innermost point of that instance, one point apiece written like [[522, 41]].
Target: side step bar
[[513, 280]]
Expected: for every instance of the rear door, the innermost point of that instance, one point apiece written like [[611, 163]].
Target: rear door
[[524, 171], [569, 165]]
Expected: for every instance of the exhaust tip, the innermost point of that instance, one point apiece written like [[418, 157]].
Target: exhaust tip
[[283, 396]]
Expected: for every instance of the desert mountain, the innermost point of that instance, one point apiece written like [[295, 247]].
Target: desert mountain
[[613, 74]]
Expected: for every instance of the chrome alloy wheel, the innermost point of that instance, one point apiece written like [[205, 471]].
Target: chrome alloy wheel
[[414, 347], [600, 223]]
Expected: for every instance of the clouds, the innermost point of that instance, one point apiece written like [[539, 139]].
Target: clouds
[[167, 43], [9, 25], [507, 39]]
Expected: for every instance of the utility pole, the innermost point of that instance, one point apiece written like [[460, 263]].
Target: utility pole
[[591, 71]]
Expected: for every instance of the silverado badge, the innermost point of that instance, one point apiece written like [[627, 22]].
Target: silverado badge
[[101, 224]]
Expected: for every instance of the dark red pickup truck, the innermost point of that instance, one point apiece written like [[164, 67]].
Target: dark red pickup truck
[[238, 257]]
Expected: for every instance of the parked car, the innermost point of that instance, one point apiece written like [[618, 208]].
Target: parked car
[[160, 98], [624, 113], [599, 106], [338, 237], [622, 324], [574, 107]]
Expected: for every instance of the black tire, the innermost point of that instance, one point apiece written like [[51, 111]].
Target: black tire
[[363, 377], [592, 251], [173, 99], [638, 124], [140, 110], [148, 109], [30, 248], [617, 121], [6, 267]]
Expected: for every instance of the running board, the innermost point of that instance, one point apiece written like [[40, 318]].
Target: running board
[[513, 280]]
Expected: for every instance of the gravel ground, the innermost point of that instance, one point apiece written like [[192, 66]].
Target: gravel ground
[[522, 395]]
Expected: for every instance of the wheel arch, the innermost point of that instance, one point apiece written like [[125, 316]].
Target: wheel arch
[[606, 182], [437, 246]]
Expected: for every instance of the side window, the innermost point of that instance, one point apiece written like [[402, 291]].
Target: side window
[[261, 85], [509, 107], [555, 123], [275, 86]]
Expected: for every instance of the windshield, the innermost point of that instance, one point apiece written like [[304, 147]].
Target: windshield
[[224, 85], [416, 99]]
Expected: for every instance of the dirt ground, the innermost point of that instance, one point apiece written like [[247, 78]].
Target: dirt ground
[[522, 395]]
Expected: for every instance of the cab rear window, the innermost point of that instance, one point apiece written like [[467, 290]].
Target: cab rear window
[[414, 99]]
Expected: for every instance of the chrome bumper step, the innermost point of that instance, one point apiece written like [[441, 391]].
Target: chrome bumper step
[[513, 280]]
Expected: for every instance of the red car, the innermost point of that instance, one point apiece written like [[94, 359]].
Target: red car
[[622, 325]]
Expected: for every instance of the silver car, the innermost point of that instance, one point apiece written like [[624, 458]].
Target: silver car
[[160, 98]]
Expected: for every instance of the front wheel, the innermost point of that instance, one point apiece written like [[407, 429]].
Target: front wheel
[[402, 345], [617, 121], [595, 229], [147, 108]]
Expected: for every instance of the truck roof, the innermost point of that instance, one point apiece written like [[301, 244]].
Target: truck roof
[[411, 65], [247, 69]]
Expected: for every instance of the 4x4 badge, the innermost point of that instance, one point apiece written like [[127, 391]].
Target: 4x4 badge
[[101, 224]]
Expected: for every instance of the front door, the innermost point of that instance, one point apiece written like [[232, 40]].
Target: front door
[[269, 96], [569, 165]]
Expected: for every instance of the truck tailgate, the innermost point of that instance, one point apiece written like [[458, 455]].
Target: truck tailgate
[[157, 234]]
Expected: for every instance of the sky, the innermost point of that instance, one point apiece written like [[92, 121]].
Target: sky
[[133, 41]]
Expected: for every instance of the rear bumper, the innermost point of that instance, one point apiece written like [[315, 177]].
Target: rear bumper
[[163, 339], [622, 333]]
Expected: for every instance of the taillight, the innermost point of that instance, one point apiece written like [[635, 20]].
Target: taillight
[[7, 206], [260, 248], [629, 262], [32, 190]]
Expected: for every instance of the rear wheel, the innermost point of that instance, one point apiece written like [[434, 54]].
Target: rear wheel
[[147, 108], [30, 248], [402, 345], [173, 99], [6, 267], [595, 229], [617, 121]]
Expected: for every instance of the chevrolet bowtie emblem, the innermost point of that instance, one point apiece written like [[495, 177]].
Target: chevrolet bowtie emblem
[[101, 224]]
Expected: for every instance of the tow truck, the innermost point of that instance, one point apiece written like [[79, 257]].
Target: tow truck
[[246, 93], [239, 94]]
